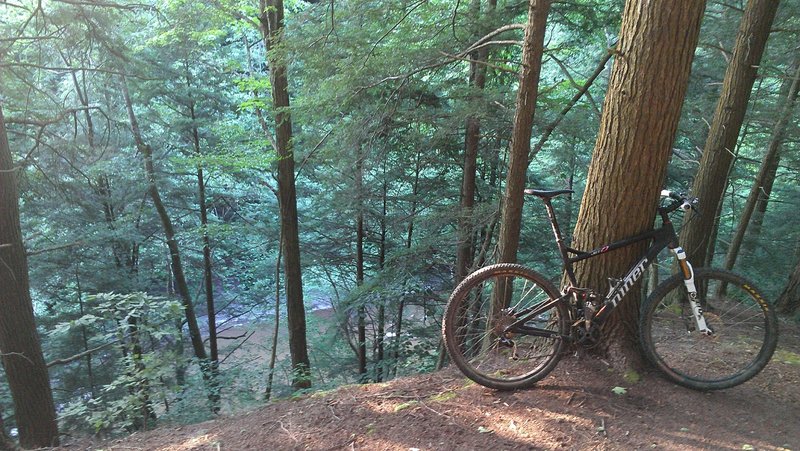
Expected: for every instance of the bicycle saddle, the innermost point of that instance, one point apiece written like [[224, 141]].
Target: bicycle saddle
[[547, 194]]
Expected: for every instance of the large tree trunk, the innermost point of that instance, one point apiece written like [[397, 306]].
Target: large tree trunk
[[271, 20], [717, 159], [532, 50], [640, 117], [22, 357], [762, 186]]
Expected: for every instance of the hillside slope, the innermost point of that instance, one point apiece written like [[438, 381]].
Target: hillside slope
[[573, 408]]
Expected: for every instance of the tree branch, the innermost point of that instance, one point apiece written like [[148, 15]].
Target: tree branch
[[476, 45], [53, 248], [310, 154], [235, 14], [128, 7], [82, 354], [552, 125], [46, 122], [390, 30]]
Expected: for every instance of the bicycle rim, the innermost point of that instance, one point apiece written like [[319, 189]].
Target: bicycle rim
[[478, 314], [744, 331]]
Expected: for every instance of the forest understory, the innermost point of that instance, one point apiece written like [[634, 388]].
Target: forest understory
[[576, 407]]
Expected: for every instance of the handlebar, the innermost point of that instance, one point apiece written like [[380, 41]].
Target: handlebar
[[682, 201]]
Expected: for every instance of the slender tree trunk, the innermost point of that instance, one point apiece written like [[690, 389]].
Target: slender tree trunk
[[85, 335], [136, 370], [208, 274], [757, 220], [271, 20], [21, 350], [472, 136], [789, 300], [379, 362], [637, 127], [718, 154], [362, 309], [169, 233], [532, 49], [274, 353], [414, 202], [398, 328], [762, 186], [712, 240]]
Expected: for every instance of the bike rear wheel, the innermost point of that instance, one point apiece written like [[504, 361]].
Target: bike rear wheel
[[477, 320], [744, 331]]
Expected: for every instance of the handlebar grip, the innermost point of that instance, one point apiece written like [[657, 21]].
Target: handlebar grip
[[673, 195]]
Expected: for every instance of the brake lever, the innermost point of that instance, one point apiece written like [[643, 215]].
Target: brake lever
[[693, 206]]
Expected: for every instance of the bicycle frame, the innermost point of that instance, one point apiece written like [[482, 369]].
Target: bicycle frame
[[662, 237]]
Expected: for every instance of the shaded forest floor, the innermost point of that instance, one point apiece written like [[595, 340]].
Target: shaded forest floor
[[573, 408]]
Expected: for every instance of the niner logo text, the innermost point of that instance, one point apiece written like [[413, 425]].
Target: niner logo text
[[625, 285]]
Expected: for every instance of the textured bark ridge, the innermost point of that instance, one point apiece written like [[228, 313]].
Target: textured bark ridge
[[640, 117]]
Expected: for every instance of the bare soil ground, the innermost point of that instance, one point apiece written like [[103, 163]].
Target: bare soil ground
[[573, 408]]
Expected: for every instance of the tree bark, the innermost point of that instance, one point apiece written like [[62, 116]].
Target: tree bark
[[718, 154], [25, 368], [532, 50], [637, 127], [271, 22]]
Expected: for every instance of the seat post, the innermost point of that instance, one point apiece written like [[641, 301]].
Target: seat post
[[559, 239]]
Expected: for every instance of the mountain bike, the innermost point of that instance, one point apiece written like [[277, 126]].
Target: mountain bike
[[505, 326]]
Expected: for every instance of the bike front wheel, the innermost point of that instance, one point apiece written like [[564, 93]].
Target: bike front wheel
[[504, 326], [744, 330]]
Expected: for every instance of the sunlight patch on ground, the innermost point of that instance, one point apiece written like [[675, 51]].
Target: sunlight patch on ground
[[516, 424], [206, 441]]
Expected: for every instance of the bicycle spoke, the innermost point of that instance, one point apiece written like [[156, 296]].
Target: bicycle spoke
[[744, 332], [483, 339]]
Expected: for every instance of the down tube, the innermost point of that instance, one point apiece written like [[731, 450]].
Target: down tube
[[633, 275]]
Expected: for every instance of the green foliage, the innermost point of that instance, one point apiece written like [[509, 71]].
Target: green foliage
[[372, 85], [140, 327]]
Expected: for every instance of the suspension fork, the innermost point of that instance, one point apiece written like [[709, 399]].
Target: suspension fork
[[691, 290]]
